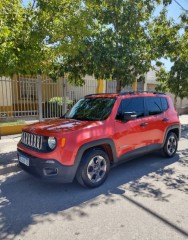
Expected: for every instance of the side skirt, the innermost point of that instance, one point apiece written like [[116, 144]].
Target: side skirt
[[137, 153]]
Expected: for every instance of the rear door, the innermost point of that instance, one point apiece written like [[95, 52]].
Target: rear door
[[156, 119]]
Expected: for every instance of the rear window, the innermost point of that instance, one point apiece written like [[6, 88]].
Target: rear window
[[154, 105], [164, 104]]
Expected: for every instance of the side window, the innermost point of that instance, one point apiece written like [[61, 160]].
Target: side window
[[154, 105], [135, 105], [164, 104], [131, 105]]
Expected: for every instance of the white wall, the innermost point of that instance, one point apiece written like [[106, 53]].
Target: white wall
[[5, 92]]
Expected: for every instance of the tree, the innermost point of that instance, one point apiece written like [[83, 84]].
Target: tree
[[176, 79], [121, 45], [34, 38], [11, 21], [107, 38]]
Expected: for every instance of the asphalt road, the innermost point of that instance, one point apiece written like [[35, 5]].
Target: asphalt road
[[144, 199]]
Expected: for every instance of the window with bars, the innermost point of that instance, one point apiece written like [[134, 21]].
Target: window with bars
[[28, 88]]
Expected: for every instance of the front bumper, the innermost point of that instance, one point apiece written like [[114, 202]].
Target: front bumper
[[47, 169]]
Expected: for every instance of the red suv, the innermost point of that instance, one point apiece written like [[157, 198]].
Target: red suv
[[100, 131]]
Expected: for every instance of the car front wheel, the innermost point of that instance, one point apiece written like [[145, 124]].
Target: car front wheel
[[94, 168]]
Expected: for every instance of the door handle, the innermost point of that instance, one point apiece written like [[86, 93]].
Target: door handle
[[165, 120], [144, 124]]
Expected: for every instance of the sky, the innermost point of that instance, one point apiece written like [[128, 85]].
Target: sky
[[174, 10]]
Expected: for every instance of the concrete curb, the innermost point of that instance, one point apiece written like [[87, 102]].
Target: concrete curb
[[9, 130]]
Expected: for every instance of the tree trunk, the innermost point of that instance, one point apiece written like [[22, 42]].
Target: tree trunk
[[118, 86], [175, 102], [134, 85]]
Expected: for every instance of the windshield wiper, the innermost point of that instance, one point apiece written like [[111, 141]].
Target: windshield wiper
[[84, 119]]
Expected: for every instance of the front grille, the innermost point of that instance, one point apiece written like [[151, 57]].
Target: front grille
[[32, 140]]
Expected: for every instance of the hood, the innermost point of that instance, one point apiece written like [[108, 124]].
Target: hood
[[59, 125]]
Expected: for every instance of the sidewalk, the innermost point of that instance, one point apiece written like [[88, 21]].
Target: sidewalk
[[184, 119]]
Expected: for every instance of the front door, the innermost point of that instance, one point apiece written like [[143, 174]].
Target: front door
[[131, 135]]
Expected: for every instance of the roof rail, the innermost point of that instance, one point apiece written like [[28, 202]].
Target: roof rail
[[95, 94], [128, 92], [137, 92], [125, 93], [162, 93]]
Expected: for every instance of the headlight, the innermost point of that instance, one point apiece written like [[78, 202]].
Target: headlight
[[51, 142]]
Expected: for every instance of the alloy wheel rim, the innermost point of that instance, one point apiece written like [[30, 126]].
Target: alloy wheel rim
[[96, 169], [171, 145]]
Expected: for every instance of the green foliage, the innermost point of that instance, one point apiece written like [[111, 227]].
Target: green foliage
[[53, 107], [175, 81], [163, 78], [35, 38], [164, 34], [174, 45], [122, 43], [105, 38], [60, 100], [179, 79], [11, 21]]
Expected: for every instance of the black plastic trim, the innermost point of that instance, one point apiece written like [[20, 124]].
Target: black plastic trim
[[65, 174], [96, 143], [175, 126], [137, 92], [138, 153]]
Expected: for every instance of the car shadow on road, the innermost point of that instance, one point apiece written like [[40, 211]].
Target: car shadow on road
[[24, 197], [8, 158]]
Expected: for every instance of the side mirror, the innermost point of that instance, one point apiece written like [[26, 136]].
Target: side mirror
[[127, 116]]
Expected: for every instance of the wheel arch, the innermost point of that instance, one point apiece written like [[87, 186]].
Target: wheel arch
[[175, 129], [106, 144]]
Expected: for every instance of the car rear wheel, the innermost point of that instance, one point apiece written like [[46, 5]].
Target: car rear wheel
[[94, 168], [171, 145]]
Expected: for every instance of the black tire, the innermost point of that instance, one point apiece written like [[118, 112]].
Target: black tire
[[93, 169], [170, 146]]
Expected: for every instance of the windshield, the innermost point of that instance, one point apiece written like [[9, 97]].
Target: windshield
[[91, 109]]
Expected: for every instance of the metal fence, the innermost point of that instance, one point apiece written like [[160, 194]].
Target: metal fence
[[18, 97], [28, 97], [39, 97], [76, 92]]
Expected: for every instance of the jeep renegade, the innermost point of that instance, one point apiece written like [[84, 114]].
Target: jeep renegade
[[100, 131]]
